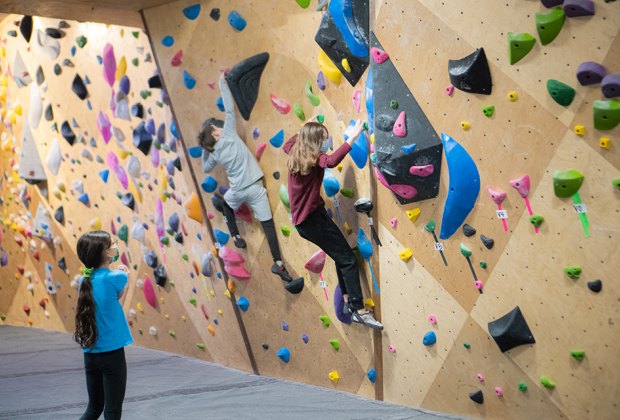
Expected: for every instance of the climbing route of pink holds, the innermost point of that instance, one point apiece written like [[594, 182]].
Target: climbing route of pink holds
[[392, 348], [112, 161], [449, 90], [480, 377], [259, 150], [357, 100], [231, 256], [379, 55], [422, 171], [316, 262], [432, 319], [499, 391], [149, 293], [237, 271], [497, 196], [522, 185], [281, 105], [177, 59], [393, 222], [109, 64], [400, 127], [104, 126], [478, 284], [211, 85], [405, 191]]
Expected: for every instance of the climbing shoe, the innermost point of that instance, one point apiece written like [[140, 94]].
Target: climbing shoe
[[366, 319], [240, 243], [346, 309], [293, 286], [280, 270]]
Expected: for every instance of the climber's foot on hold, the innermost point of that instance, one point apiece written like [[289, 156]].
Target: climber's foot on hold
[[240, 242], [293, 286], [365, 318], [346, 309]]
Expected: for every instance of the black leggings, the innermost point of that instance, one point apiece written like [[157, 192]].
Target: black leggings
[[319, 229], [268, 227], [106, 378]]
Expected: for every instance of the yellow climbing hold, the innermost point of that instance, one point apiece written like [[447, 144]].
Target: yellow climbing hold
[[212, 293], [328, 68], [121, 69], [369, 304], [219, 312], [333, 376], [605, 143], [413, 214], [133, 188], [580, 130], [211, 329], [139, 306], [61, 186], [465, 125], [227, 293], [347, 228], [192, 205], [339, 167], [345, 65], [95, 224], [372, 138], [405, 254], [513, 96]]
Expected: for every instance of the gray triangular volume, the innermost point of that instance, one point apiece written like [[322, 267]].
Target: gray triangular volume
[[244, 82], [30, 165], [511, 330], [393, 155]]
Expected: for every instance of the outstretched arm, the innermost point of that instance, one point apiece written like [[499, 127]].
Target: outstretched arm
[[229, 105], [208, 161]]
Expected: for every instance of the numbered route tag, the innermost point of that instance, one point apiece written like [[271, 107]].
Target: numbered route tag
[[579, 208], [438, 246], [323, 284], [501, 214]]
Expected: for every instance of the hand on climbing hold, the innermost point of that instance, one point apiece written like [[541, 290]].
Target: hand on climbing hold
[[124, 268], [355, 133]]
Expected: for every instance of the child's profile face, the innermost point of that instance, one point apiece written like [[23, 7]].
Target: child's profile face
[[216, 132]]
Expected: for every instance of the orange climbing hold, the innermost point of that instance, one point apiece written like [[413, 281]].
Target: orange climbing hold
[[192, 205]]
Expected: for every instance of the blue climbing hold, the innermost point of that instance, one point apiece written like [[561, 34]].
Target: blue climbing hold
[[173, 129], [278, 139], [222, 190], [192, 12], [220, 104], [370, 102], [243, 303], [99, 59], [236, 21], [330, 183], [364, 245], [359, 151], [284, 354], [408, 148], [124, 85], [429, 338], [150, 127], [104, 175], [195, 151], [209, 184], [83, 198], [342, 13], [188, 80], [372, 375], [284, 326], [86, 80], [167, 41], [464, 186], [221, 237], [73, 51]]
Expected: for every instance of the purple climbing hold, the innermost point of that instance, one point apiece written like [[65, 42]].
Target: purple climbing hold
[[576, 8], [320, 80], [150, 127], [551, 3], [304, 337], [590, 73], [109, 64], [611, 85], [256, 133], [339, 306], [284, 326]]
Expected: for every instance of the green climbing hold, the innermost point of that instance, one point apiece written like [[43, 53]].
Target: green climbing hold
[[465, 251], [140, 331], [483, 265], [312, 97], [549, 24], [303, 3], [185, 257], [536, 220], [522, 386], [171, 282], [578, 354], [616, 183], [467, 345], [283, 192], [145, 94], [365, 125], [201, 346], [157, 145], [394, 104], [519, 45], [488, 111], [165, 240], [430, 226], [299, 111], [547, 382], [573, 271], [325, 320], [335, 343], [606, 114], [320, 118], [2, 317], [123, 233], [567, 183], [347, 192], [192, 301], [81, 41], [135, 266], [172, 334], [135, 34], [286, 231], [135, 62], [560, 92]]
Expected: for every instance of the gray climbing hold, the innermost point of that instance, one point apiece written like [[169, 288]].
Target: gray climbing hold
[[468, 230], [487, 242]]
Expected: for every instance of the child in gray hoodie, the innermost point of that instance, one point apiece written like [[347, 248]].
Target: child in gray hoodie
[[222, 145]]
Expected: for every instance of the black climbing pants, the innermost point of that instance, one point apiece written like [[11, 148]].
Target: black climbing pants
[[321, 230], [268, 227], [106, 378]]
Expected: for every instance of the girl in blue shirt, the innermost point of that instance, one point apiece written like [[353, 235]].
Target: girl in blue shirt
[[100, 325]]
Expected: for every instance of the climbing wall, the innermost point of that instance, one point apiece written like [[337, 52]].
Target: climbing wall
[[190, 313]]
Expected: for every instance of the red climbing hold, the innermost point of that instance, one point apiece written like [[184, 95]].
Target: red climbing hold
[[379, 55], [177, 59], [281, 105], [316, 262], [27, 309], [259, 150], [149, 293]]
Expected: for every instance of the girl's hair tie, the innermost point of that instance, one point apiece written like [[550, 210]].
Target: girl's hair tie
[[87, 272]]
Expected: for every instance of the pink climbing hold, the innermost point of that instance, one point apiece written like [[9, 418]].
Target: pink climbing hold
[[422, 171], [259, 150], [177, 59], [109, 64], [432, 319], [357, 100], [499, 391], [104, 126], [480, 377], [231, 256], [281, 105], [210, 215], [449, 90], [400, 127], [478, 284], [404, 191], [379, 55], [392, 348], [316, 262], [204, 310], [149, 293], [498, 196], [393, 222], [522, 185], [237, 271], [113, 163], [243, 213], [212, 85]]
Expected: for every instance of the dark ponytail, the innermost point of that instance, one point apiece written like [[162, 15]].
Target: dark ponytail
[[91, 249]]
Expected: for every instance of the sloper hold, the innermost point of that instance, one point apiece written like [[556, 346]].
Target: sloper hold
[[590, 73], [316, 262], [59, 215], [487, 242], [511, 330], [356, 38], [519, 45], [471, 74], [550, 24], [610, 85], [551, 3], [567, 183], [149, 293], [560, 92], [393, 164], [30, 165], [464, 186], [345, 318], [244, 81], [606, 114], [468, 230], [576, 8]]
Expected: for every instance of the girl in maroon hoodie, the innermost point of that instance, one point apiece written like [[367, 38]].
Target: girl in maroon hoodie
[[306, 164]]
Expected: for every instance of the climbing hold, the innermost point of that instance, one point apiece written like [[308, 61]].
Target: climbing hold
[[560, 92], [345, 65], [286, 231], [304, 338], [422, 171], [303, 3], [278, 139], [471, 74], [284, 354], [67, 133], [480, 377], [487, 242], [244, 82], [567, 183], [328, 68], [488, 111], [429, 339], [573, 271], [499, 391], [333, 376], [551, 3], [335, 344], [432, 319], [413, 214], [215, 14], [606, 114], [325, 320], [260, 149], [312, 97], [512, 96], [616, 183], [347, 192], [405, 254], [192, 206], [209, 184], [343, 317], [477, 396], [483, 265], [549, 24], [392, 348], [465, 251], [604, 143], [378, 55], [578, 354], [372, 375], [468, 230], [519, 45], [536, 220], [590, 73], [142, 139], [595, 285], [394, 104], [449, 90], [243, 303], [316, 262], [465, 125], [188, 80], [522, 386], [211, 329], [511, 330], [280, 104], [467, 345], [393, 222], [576, 8], [400, 126], [283, 193], [192, 12], [342, 13], [298, 110], [236, 21], [25, 27], [547, 382]]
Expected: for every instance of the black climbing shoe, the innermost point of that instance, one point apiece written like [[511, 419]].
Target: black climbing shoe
[[292, 286], [280, 270], [239, 242]]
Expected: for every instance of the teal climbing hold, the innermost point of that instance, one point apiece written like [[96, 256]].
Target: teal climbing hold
[[167, 41], [284, 354], [522, 386], [606, 114], [188, 80], [278, 139], [243, 303], [519, 45], [465, 251], [192, 12], [550, 24], [560, 92]]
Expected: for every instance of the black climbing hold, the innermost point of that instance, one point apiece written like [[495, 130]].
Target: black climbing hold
[[177, 163], [54, 33], [488, 242], [63, 24], [128, 200], [179, 237], [511, 330], [40, 76], [68, 63], [155, 82], [57, 69], [160, 276], [392, 162], [218, 202], [276, 175], [25, 27], [137, 110], [49, 113], [62, 264], [59, 215], [142, 139], [296, 286], [595, 285], [244, 81], [215, 14], [67, 132], [150, 259], [12, 34], [468, 230], [477, 396], [265, 346], [330, 39], [471, 74], [79, 88]]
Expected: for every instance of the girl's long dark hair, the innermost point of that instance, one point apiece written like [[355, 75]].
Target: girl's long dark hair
[[91, 248]]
